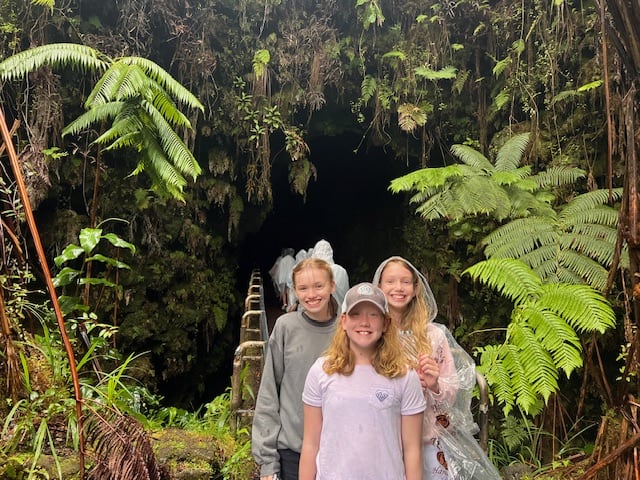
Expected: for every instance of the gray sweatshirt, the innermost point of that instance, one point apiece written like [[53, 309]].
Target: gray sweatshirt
[[295, 343]]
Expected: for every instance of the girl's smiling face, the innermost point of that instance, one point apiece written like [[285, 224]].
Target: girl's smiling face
[[398, 285], [364, 325], [314, 288]]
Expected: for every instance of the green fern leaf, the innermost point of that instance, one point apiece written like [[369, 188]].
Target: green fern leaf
[[173, 146], [558, 176], [580, 306], [512, 177], [446, 73], [524, 393], [511, 278], [97, 114], [165, 80], [590, 200], [426, 177], [368, 88], [55, 55], [510, 154], [537, 365], [472, 157]]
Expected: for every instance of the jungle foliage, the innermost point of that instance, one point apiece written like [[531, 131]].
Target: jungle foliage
[[503, 115]]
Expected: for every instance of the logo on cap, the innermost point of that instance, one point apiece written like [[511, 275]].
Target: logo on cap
[[365, 290]]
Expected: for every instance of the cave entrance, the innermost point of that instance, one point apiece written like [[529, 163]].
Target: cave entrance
[[349, 205]]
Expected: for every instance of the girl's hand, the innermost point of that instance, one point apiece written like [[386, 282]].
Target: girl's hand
[[429, 372]]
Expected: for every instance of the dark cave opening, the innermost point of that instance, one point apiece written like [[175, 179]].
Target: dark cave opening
[[349, 205]]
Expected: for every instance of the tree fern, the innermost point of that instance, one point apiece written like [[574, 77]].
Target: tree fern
[[135, 94], [542, 337], [506, 190]]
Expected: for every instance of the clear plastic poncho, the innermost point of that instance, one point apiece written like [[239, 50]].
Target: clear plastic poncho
[[454, 427]]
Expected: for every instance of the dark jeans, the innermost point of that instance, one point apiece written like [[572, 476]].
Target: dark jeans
[[289, 462]]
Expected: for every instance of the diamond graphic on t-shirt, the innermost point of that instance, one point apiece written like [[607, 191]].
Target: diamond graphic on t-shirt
[[382, 396]]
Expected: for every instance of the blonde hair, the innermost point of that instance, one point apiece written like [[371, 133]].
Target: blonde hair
[[318, 264], [417, 314], [388, 360]]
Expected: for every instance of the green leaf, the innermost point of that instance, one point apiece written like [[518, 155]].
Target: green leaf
[[96, 281], [71, 252], [65, 277], [109, 261], [89, 238], [116, 241], [446, 73]]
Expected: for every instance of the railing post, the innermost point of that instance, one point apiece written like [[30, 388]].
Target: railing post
[[483, 411]]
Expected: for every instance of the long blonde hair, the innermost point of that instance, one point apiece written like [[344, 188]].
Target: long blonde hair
[[388, 359], [417, 315]]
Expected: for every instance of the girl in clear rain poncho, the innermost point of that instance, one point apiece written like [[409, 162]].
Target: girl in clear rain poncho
[[447, 373]]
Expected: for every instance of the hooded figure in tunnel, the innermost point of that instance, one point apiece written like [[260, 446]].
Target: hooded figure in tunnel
[[324, 251]]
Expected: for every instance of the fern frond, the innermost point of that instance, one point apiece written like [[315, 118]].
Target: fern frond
[[580, 306], [410, 117], [425, 177], [590, 200], [472, 157], [126, 124], [106, 87], [497, 375], [600, 232], [168, 109], [523, 391], [598, 214], [537, 365], [122, 448], [519, 237], [510, 154], [133, 83], [558, 176], [557, 337], [436, 207], [583, 270], [158, 166], [510, 277], [479, 195], [598, 249], [165, 80], [174, 147], [368, 88], [96, 114], [44, 3], [511, 177], [55, 55]]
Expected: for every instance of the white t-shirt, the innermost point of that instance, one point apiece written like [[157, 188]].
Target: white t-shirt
[[361, 421]]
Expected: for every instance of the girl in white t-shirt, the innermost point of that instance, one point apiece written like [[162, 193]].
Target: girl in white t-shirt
[[362, 404]]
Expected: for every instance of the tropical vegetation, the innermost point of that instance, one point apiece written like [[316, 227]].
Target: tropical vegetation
[[152, 140]]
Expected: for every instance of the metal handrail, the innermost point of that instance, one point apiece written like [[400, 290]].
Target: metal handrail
[[249, 354]]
